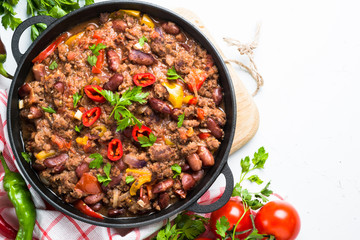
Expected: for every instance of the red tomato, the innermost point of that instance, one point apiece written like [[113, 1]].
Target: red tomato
[[203, 238], [278, 218], [232, 210], [89, 184]]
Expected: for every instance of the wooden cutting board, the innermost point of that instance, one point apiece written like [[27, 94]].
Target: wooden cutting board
[[247, 122]]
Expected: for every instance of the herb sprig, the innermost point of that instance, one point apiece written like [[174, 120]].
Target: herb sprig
[[105, 180], [76, 98], [147, 141], [176, 169], [180, 120], [26, 156], [173, 75], [48, 109], [122, 115]]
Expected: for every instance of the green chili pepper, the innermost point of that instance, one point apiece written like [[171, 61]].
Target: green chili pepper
[[20, 197], [2, 60]]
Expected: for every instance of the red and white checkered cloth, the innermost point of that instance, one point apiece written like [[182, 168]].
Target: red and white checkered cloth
[[52, 224]]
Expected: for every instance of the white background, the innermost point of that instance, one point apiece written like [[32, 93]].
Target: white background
[[309, 56]]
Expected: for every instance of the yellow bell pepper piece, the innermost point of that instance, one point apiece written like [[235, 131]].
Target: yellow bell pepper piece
[[82, 140], [168, 141], [133, 13], [176, 94], [187, 98], [190, 132], [101, 129], [144, 176], [147, 21], [73, 37], [43, 155]]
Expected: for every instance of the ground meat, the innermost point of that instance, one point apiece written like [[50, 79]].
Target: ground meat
[[174, 123]]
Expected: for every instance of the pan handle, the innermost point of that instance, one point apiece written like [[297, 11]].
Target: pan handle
[[222, 200], [21, 28]]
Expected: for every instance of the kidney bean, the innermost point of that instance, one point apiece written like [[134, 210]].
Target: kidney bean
[[214, 128], [24, 90], [194, 162], [119, 25], [55, 161], [175, 112], [113, 60], [185, 167], [96, 207], [120, 165], [114, 82], [58, 169], [114, 212], [59, 86], [141, 58], [38, 167], [217, 95], [81, 169], [206, 157], [115, 180], [163, 186], [127, 132], [198, 175], [38, 71], [164, 200], [159, 105], [187, 181], [94, 198], [133, 161], [35, 113], [181, 193], [170, 28]]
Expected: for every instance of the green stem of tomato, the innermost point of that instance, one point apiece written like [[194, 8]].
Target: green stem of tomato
[[242, 216]]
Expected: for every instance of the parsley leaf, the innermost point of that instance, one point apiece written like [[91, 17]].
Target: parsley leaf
[[53, 65], [222, 225], [129, 179], [147, 141], [172, 74], [26, 156], [96, 48], [180, 120], [76, 99], [256, 179], [177, 169], [48, 109], [78, 128], [142, 41], [105, 179], [97, 160], [92, 60], [260, 158]]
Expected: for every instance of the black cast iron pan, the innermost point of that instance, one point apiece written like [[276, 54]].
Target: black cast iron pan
[[55, 28]]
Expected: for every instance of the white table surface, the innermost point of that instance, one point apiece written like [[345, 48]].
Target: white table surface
[[309, 56]]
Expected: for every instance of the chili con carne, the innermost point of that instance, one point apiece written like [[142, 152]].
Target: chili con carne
[[144, 79], [50, 49], [139, 132], [86, 209], [93, 94], [115, 150], [20, 197], [90, 116]]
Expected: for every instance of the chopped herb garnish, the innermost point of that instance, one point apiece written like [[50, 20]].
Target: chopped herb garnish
[[180, 120], [222, 225], [142, 41], [26, 156], [96, 48], [78, 128], [48, 109], [92, 60], [76, 98], [97, 160], [147, 141], [177, 169], [53, 65], [172, 74], [105, 179], [129, 179], [122, 115]]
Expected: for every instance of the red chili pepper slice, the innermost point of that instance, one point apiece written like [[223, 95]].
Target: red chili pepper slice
[[93, 94], [50, 49], [139, 132], [203, 136], [144, 79], [99, 62], [196, 80], [193, 101], [86, 209], [90, 116], [115, 150], [200, 114]]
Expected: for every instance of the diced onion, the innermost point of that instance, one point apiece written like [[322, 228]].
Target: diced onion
[[204, 130], [115, 197], [21, 104], [137, 46], [78, 115]]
